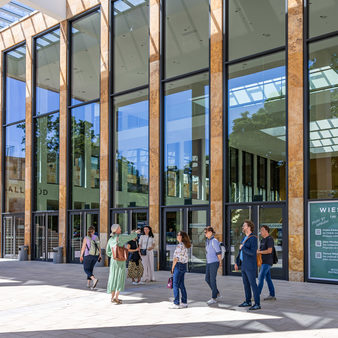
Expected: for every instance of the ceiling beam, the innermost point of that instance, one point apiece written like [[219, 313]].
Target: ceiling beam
[[55, 9]]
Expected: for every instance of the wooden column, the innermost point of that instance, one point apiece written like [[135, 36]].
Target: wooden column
[[154, 119], [29, 144], [104, 125], [1, 152], [63, 165], [295, 140], [216, 117]]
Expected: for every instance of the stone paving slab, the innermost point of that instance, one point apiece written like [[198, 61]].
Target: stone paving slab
[[40, 299]]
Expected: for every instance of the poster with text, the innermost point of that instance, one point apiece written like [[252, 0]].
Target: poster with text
[[323, 240]]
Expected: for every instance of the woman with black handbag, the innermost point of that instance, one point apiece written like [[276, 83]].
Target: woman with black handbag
[[118, 254], [147, 244], [135, 267]]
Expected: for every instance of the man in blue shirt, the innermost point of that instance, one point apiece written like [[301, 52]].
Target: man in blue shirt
[[214, 260], [248, 262]]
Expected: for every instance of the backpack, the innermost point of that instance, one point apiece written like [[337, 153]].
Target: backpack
[[222, 246], [94, 249], [274, 256]]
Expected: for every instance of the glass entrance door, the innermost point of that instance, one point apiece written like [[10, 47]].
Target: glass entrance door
[[79, 223], [272, 215], [14, 235], [46, 234], [192, 221], [130, 219]]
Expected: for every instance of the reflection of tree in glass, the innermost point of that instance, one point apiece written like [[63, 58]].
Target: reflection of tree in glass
[[23, 140]]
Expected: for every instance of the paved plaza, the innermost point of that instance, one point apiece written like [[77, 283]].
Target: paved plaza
[[41, 299]]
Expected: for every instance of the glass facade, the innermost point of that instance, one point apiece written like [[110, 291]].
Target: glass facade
[[255, 26], [186, 36], [131, 44], [85, 156], [257, 129], [323, 110], [15, 84], [131, 149], [186, 141], [85, 59], [322, 17]]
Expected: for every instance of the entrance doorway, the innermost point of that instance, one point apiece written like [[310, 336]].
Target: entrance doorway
[[46, 235], [130, 219], [273, 215], [14, 234], [192, 220], [79, 222]]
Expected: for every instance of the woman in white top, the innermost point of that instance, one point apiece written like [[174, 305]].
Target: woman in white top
[[147, 244], [179, 269]]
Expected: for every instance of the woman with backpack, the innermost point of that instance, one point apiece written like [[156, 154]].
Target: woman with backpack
[[117, 271], [90, 254]]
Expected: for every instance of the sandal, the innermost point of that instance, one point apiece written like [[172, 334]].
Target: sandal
[[117, 301]]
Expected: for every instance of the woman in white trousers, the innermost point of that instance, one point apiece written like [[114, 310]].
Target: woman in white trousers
[[147, 244]]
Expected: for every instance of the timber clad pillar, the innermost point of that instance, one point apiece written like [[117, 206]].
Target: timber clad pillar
[[1, 151], [104, 125], [28, 145], [63, 169], [295, 140], [216, 117], [154, 119]]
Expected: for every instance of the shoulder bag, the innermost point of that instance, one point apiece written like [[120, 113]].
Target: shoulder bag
[[119, 253], [144, 251], [259, 256]]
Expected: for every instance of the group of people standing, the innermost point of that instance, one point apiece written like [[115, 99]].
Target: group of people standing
[[139, 253], [246, 259], [141, 262]]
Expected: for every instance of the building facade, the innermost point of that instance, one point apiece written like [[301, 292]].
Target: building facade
[[177, 114]]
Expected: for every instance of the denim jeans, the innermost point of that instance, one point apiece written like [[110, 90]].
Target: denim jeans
[[249, 281], [210, 277], [89, 262], [178, 283], [264, 273]]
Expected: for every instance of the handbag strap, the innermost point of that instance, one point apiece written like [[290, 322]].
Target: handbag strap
[[248, 238]]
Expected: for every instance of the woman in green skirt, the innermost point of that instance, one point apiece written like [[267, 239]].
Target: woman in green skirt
[[117, 272]]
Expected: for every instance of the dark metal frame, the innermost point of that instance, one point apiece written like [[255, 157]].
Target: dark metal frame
[[112, 95], [226, 172], [163, 81], [129, 212], [3, 126], [306, 113]]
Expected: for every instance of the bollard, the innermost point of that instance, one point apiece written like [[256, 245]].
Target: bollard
[[57, 255], [23, 253], [155, 260]]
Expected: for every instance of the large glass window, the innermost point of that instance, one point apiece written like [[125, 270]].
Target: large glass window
[[131, 43], [186, 140], [131, 149], [85, 146], [15, 168], [47, 49], [255, 26], [186, 36], [15, 84], [323, 17], [47, 162], [85, 58], [257, 129], [323, 138]]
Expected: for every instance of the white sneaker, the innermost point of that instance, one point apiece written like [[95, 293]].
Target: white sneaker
[[183, 305], [219, 296], [134, 283], [211, 301], [174, 306], [140, 283]]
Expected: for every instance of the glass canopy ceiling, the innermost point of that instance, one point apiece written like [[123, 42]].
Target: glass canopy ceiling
[[12, 12]]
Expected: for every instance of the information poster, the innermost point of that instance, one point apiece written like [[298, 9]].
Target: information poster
[[323, 240]]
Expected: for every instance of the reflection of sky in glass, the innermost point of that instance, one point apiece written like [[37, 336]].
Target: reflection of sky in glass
[[249, 93], [46, 101], [91, 114], [15, 100], [132, 137], [183, 123], [15, 141]]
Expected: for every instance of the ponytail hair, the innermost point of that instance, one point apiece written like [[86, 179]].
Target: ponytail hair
[[91, 230]]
